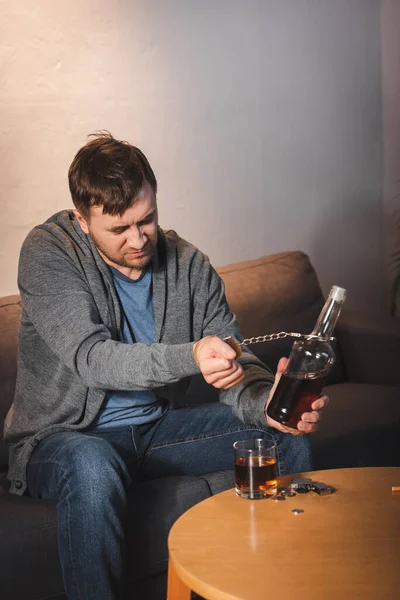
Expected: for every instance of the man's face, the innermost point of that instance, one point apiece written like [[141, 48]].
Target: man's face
[[128, 242]]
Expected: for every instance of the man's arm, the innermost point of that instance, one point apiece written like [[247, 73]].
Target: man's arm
[[248, 398], [61, 307]]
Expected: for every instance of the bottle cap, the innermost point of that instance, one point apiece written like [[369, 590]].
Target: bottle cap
[[338, 293]]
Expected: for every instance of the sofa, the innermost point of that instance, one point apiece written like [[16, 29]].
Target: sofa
[[360, 427]]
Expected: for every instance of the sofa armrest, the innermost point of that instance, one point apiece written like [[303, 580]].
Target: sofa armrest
[[370, 348]]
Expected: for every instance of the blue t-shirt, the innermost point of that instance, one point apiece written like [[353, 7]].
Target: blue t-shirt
[[122, 408]]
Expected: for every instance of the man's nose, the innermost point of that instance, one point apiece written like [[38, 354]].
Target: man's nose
[[136, 238]]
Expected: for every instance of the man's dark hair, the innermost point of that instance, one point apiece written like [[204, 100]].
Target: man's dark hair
[[110, 173]]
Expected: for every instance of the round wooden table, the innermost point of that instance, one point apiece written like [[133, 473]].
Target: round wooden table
[[344, 546]]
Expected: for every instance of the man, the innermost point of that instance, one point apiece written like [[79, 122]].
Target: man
[[117, 314]]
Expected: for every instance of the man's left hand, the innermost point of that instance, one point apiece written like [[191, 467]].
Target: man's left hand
[[309, 421]]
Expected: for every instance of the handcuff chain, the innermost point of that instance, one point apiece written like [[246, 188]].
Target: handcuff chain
[[258, 339]]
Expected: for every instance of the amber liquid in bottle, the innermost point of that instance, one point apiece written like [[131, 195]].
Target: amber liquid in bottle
[[293, 397], [309, 364]]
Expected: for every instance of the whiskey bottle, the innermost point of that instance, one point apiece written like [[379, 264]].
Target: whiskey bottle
[[310, 361]]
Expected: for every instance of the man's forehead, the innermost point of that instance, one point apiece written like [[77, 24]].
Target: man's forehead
[[139, 209]]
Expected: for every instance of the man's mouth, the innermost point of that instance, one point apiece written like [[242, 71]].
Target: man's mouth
[[138, 252]]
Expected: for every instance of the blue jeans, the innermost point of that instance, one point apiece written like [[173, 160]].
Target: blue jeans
[[89, 474]]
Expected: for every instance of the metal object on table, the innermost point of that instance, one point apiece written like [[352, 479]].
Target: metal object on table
[[322, 489], [278, 497], [301, 485]]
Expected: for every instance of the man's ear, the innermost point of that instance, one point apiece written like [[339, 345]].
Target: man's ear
[[81, 220]]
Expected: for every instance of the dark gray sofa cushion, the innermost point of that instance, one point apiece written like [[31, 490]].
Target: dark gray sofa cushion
[[28, 530], [360, 427], [156, 505], [29, 565]]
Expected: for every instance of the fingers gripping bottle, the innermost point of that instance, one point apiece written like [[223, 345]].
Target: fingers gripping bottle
[[310, 361]]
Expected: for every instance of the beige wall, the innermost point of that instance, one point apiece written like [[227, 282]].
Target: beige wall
[[262, 121]]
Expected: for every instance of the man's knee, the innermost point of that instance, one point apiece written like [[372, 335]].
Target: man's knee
[[72, 462], [92, 461], [83, 465]]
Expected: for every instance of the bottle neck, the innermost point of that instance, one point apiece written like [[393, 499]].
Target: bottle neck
[[327, 319]]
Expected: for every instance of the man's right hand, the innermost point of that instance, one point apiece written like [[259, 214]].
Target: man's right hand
[[217, 363]]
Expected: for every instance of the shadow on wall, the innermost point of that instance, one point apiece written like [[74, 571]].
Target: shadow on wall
[[341, 257], [394, 258]]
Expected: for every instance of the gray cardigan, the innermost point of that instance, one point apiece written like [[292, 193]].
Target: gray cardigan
[[69, 353]]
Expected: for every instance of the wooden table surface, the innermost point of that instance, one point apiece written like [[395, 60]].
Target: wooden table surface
[[343, 547]]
